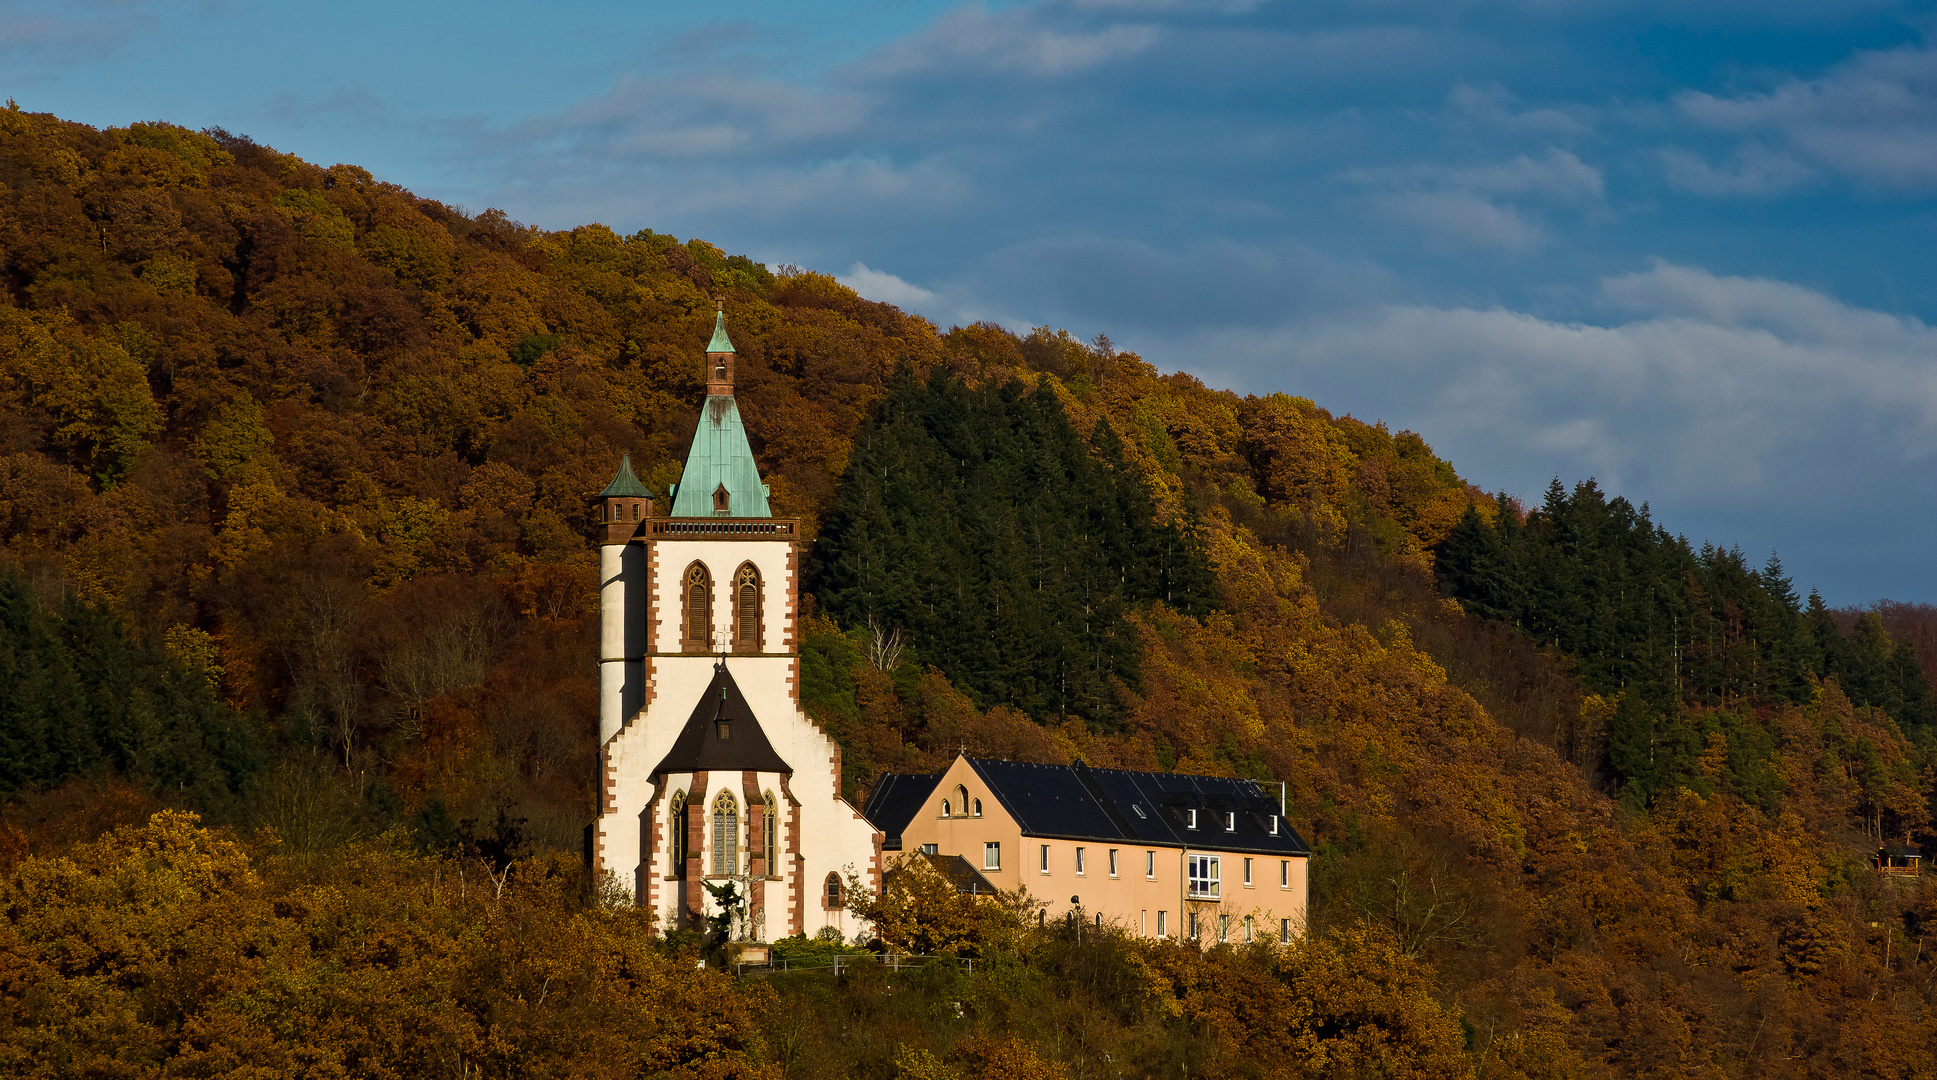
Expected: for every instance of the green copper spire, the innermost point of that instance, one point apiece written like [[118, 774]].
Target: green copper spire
[[625, 484], [721, 477], [720, 342]]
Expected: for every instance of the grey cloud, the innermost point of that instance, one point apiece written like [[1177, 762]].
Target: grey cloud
[[1873, 118], [1755, 171], [1009, 42]]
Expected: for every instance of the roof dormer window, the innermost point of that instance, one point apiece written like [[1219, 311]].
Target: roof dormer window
[[1274, 824], [720, 500], [1190, 819], [1138, 807], [1231, 821]]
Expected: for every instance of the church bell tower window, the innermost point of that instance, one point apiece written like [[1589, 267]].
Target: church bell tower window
[[721, 500], [746, 610], [697, 625]]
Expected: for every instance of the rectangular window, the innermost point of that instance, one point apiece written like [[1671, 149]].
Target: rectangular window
[[1079, 862], [991, 856], [1284, 873], [1190, 819], [1274, 824], [929, 849], [1247, 873], [1163, 923], [1045, 858], [1190, 925], [1150, 865], [1112, 862], [1231, 822], [1143, 922], [1284, 931], [1223, 928], [1204, 877], [1247, 929]]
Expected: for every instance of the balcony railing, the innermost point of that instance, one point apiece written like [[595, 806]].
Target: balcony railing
[[752, 528]]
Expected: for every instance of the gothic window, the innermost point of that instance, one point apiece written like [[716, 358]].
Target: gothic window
[[831, 893], [746, 609], [962, 799], [676, 824], [946, 811], [696, 631], [769, 835], [726, 835], [720, 500]]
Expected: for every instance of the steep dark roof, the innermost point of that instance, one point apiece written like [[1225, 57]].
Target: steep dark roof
[[1076, 802], [893, 803], [700, 747]]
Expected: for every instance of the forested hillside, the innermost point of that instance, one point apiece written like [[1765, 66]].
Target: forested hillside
[[293, 481]]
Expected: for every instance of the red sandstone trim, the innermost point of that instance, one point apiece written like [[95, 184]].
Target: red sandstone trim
[[797, 867]]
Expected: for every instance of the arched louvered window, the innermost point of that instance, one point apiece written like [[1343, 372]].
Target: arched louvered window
[[746, 609], [770, 834], [696, 633], [726, 835]]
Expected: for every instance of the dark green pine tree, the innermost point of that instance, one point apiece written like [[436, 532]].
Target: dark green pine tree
[[1006, 545], [78, 695]]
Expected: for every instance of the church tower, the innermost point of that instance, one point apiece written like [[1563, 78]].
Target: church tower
[[710, 771]]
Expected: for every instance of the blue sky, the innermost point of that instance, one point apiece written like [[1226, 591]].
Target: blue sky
[[1684, 248]]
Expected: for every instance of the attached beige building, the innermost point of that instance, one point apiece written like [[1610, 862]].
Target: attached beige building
[[1158, 854]]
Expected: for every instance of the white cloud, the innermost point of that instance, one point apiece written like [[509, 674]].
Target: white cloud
[[1010, 42], [1715, 386], [886, 288], [1873, 117], [1464, 218], [1756, 171], [1475, 205]]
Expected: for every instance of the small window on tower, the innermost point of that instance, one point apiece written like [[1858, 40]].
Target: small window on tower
[[635, 511], [726, 729], [720, 500]]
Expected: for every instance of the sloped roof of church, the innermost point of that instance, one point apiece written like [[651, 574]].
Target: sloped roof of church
[[720, 457], [720, 342], [700, 747], [625, 484]]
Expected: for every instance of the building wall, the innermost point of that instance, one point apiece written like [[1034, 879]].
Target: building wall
[[1133, 898], [641, 609]]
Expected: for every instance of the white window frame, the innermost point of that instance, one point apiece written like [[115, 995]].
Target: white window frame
[[978, 808], [1112, 862], [1284, 931], [1284, 873], [1079, 863], [1190, 925], [1045, 860], [1247, 929], [1223, 928], [1150, 865], [991, 856], [1247, 872], [1163, 923], [1204, 880], [1230, 821], [1190, 818]]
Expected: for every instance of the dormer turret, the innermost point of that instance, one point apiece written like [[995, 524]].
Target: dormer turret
[[719, 357], [623, 504]]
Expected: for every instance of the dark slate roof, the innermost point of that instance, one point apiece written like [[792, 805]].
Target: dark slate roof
[[959, 872], [893, 802], [1076, 802], [699, 746]]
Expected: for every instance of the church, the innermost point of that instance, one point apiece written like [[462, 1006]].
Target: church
[[710, 771], [712, 774]]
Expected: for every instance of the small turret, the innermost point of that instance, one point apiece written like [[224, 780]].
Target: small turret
[[719, 357], [623, 504]]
